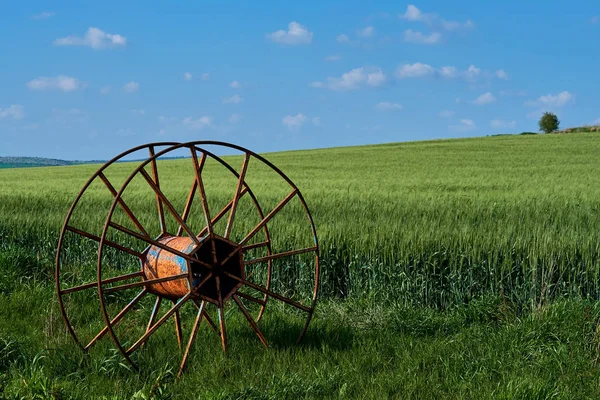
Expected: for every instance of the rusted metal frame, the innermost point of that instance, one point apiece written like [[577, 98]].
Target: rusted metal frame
[[192, 337], [198, 167], [178, 332], [207, 317], [94, 284], [159, 205], [280, 255], [221, 213], [236, 196], [145, 283], [66, 223], [117, 318], [121, 202], [106, 242], [251, 321], [168, 204], [153, 315], [161, 321], [251, 298], [202, 282], [255, 246], [269, 216], [221, 314], [158, 244], [267, 291], [188, 207]]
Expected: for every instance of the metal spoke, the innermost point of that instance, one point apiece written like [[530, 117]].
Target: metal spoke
[[106, 242], [221, 213], [178, 327], [158, 244], [153, 315], [122, 204], [267, 291], [255, 246], [158, 323], [198, 167], [251, 321], [95, 284], [188, 206], [269, 216], [145, 283], [116, 319], [159, 205], [280, 255], [236, 196], [251, 298], [192, 337], [221, 315], [168, 204]]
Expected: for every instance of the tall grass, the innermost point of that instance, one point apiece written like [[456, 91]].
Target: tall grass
[[427, 223]]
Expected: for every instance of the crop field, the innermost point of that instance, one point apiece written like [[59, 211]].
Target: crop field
[[464, 268]]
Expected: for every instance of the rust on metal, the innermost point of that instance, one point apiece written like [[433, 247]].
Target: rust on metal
[[204, 268]]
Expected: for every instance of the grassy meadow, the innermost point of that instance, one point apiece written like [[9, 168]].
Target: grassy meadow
[[464, 268]]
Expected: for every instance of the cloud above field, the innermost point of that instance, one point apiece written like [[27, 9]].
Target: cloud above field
[[366, 32], [43, 15], [464, 125], [295, 35], [446, 114], [420, 70], [552, 100], [411, 36], [354, 79], [131, 87], [94, 38], [187, 76], [294, 122], [342, 38], [197, 124], [413, 14], [235, 99], [62, 82], [388, 106], [484, 99], [14, 111]]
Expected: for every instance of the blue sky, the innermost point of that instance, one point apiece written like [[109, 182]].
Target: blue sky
[[86, 80]]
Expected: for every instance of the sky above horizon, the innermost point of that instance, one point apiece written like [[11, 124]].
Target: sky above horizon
[[82, 81]]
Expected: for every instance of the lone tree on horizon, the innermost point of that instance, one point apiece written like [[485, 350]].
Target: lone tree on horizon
[[549, 122]]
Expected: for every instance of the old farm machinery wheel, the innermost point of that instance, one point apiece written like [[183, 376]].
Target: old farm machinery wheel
[[181, 246]]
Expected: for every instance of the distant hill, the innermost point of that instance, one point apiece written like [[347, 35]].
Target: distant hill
[[22, 162]]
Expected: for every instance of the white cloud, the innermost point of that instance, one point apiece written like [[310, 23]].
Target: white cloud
[[366, 32], [472, 73], [418, 37], [464, 125], [138, 111], [294, 122], [296, 34], [387, 106], [502, 124], [94, 38], [358, 77], [44, 15], [316, 121], [234, 118], [14, 111], [448, 72], [204, 76], [131, 87], [446, 114], [485, 98], [187, 76], [342, 38], [61, 82], [502, 74], [105, 90], [333, 57], [197, 124], [551, 100], [235, 85], [235, 99], [415, 70], [414, 14]]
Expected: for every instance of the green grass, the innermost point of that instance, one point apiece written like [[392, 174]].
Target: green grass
[[452, 268]]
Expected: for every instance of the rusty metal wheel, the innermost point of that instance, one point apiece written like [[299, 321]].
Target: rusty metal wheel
[[222, 262]]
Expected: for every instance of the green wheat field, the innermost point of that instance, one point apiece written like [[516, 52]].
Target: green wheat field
[[463, 268]]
